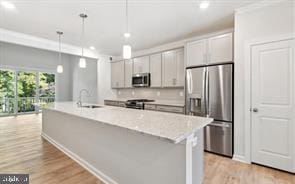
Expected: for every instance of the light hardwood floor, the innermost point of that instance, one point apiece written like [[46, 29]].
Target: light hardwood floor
[[22, 150]]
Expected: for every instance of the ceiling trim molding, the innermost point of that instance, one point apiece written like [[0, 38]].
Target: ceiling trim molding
[[41, 43], [257, 5]]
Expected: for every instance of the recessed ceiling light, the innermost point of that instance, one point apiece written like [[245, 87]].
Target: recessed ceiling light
[[92, 47], [204, 4], [127, 35], [8, 5]]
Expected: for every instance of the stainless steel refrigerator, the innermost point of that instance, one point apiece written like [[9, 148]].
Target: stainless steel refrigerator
[[209, 93]]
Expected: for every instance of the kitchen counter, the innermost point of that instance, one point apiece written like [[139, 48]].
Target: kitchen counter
[[172, 127], [128, 146]]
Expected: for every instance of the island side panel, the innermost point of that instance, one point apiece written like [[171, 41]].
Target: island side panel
[[119, 155], [198, 159]]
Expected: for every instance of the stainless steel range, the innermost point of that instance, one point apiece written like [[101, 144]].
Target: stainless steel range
[[137, 103]]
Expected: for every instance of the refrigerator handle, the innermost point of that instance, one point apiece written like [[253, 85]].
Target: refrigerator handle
[[207, 93]]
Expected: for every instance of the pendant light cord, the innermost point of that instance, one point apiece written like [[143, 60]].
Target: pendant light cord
[[82, 40], [59, 55], [126, 14]]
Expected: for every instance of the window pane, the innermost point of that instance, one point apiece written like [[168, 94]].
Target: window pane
[[46, 88], [7, 92], [26, 89]]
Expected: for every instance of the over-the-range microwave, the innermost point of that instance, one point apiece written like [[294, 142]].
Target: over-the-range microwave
[[141, 80]]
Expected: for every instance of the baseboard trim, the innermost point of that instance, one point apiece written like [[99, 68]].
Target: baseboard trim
[[240, 158], [86, 165]]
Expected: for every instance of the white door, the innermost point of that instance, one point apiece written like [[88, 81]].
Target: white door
[[196, 53], [273, 113], [156, 70], [141, 64], [128, 73], [220, 48]]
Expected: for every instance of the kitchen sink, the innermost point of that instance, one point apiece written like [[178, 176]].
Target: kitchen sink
[[91, 106]]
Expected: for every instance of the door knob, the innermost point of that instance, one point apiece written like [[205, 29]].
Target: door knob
[[255, 110]]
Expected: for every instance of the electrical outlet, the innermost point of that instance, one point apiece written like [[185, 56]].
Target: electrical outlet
[[119, 93], [158, 93], [181, 93], [133, 93]]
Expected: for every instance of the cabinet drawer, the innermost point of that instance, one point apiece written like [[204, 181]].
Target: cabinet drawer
[[149, 107], [170, 109], [111, 103]]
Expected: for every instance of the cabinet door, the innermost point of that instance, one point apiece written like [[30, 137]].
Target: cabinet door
[[173, 68], [117, 74], [196, 53], [141, 65], [156, 70], [128, 73], [179, 67], [220, 48]]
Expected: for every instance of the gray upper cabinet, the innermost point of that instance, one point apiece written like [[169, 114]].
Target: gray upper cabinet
[[141, 64], [196, 53], [117, 74], [173, 68], [128, 73], [156, 70], [220, 48], [166, 68], [217, 49]]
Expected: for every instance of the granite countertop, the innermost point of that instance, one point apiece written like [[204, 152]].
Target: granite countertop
[[169, 126], [178, 103]]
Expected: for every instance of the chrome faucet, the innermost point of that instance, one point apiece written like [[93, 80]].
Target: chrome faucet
[[79, 103]]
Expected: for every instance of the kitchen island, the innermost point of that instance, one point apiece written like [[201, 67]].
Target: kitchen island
[[128, 146]]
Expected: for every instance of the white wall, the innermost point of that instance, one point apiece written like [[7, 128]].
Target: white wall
[[262, 22], [68, 83], [175, 94], [20, 57], [84, 78]]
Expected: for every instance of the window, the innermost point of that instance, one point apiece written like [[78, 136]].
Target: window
[[20, 91]]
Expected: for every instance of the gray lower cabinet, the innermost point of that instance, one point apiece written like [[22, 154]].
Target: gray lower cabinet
[[154, 107], [165, 108]]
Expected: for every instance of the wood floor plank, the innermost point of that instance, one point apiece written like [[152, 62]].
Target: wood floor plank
[[22, 150]]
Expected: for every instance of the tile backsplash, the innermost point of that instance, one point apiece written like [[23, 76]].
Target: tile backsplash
[[151, 93]]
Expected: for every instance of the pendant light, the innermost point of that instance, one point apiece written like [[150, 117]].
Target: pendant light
[[127, 48], [82, 61], [59, 68]]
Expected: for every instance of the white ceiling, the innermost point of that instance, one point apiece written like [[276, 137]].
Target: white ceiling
[[152, 22]]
